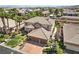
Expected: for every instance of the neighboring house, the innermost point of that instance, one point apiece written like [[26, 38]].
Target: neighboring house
[[71, 36], [41, 22], [69, 18], [38, 9], [39, 35], [22, 11], [46, 13], [69, 12]]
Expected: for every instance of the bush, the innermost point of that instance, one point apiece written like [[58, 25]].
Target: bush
[[2, 39], [15, 33], [47, 50], [58, 49], [6, 36], [49, 43]]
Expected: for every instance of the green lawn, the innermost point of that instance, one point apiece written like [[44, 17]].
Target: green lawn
[[15, 41]]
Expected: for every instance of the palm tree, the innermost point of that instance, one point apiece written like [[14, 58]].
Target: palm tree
[[56, 12], [7, 16], [2, 15], [51, 10], [61, 10], [13, 15], [18, 19]]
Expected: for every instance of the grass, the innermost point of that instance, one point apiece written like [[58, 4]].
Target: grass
[[15, 41]]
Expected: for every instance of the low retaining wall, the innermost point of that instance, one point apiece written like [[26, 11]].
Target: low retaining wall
[[8, 50]]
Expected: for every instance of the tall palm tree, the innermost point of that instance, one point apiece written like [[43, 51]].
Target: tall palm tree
[[13, 12], [2, 15], [56, 12], [61, 10], [18, 19], [7, 16]]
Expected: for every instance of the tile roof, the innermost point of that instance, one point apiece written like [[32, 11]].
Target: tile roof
[[67, 11], [11, 22], [71, 33], [70, 17], [41, 20], [40, 33], [29, 26]]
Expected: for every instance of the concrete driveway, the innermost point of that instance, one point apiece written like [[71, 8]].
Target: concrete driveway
[[32, 48]]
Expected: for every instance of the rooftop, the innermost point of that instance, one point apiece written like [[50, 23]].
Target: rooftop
[[29, 26], [71, 33], [11, 23], [68, 11], [41, 20], [40, 33], [46, 12], [70, 17]]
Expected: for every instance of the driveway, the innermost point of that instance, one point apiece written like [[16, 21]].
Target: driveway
[[32, 48]]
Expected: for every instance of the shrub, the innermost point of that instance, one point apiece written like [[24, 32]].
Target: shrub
[[47, 50], [49, 43], [58, 48], [6, 36], [2, 39]]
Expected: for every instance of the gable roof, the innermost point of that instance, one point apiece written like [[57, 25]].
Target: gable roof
[[40, 33], [71, 33]]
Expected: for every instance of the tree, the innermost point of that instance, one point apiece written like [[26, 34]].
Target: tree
[[38, 13], [18, 19], [56, 12], [51, 10], [7, 16], [61, 10], [2, 15], [57, 48], [13, 15]]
